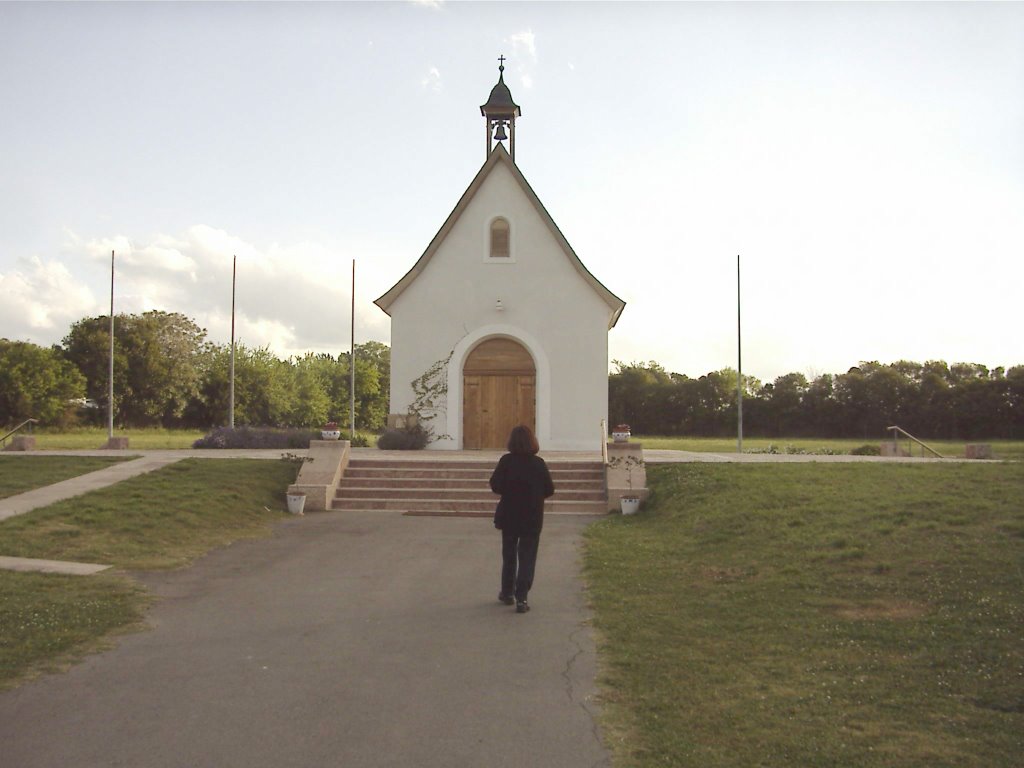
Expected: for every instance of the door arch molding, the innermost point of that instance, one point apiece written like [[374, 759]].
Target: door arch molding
[[542, 369]]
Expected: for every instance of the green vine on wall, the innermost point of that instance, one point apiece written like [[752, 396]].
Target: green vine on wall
[[431, 396]]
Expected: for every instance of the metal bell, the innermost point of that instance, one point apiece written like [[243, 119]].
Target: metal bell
[[499, 132]]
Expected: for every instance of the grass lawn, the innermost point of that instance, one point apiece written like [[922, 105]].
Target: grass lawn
[[20, 472], [1009, 450], [814, 615], [47, 620], [163, 519], [93, 438]]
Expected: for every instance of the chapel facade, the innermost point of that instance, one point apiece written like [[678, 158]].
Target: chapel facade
[[499, 323]]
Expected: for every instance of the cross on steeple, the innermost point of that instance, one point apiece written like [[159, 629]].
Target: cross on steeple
[[500, 112]]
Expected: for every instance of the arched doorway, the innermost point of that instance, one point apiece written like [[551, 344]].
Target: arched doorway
[[499, 383]]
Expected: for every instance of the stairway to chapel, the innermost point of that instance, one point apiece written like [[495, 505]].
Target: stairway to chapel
[[460, 487]]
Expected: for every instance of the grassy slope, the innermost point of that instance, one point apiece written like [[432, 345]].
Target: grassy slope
[[160, 520], [815, 615], [24, 472]]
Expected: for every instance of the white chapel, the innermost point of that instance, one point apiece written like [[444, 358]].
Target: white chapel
[[499, 323]]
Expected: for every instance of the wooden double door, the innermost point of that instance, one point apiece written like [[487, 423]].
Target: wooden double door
[[499, 391]]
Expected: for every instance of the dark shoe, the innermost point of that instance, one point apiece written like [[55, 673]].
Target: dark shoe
[[506, 599], [522, 606]]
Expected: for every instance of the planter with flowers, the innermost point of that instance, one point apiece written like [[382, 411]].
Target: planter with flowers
[[296, 501], [629, 501], [330, 431], [621, 433]]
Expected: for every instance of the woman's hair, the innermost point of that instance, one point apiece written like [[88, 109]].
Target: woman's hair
[[522, 440]]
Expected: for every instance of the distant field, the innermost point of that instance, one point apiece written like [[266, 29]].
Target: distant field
[[1007, 450], [174, 439], [138, 439], [92, 439]]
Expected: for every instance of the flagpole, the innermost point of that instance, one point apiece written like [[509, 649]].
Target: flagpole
[[110, 371], [739, 365], [231, 378], [352, 359]]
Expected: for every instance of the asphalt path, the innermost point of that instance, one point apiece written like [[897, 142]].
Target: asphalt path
[[346, 639]]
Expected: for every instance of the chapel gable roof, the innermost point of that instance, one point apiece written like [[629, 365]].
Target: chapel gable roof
[[499, 155]]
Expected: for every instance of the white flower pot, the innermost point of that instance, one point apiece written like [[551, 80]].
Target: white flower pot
[[621, 437], [296, 501], [630, 505], [330, 434]]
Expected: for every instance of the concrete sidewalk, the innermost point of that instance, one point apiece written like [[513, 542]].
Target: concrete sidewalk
[[76, 486], [359, 640], [139, 463]]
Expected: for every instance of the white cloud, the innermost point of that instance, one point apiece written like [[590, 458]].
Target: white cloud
[[524, 56], [524, 43], [432, 80], [292, 297], [41, 299]]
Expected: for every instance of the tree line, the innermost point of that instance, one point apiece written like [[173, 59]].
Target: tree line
[[936, 400], [168, 374]]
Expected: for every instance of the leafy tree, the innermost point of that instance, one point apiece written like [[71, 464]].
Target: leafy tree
[[310, 404], [87, 347], [36, 382], [630, 391], [156, 371], [785, 398], [263, 394]]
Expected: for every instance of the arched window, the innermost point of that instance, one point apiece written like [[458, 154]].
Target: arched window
[[500, 239]]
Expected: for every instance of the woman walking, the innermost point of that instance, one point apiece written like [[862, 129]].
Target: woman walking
[[523, 480]]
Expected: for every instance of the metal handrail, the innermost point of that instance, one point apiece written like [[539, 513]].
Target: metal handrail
[[896, 431], [3, 440]]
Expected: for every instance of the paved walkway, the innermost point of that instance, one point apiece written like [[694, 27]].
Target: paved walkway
[[354, 640]]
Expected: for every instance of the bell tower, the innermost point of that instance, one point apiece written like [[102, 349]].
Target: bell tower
[[500, 112]]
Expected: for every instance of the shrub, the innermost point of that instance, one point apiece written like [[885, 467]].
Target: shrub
[[408, 439], [360, 441], [866, 450], [256, 437]]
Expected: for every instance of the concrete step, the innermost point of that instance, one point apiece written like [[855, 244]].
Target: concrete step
[[397, 483], [360, 472], [459, 494], [449, 505], [477, 465], [438, 486]]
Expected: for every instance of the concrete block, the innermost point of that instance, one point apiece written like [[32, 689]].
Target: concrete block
[[321, 472], [22, 443], [117, 444]]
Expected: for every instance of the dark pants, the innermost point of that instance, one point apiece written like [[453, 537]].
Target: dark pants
[[518, 559]]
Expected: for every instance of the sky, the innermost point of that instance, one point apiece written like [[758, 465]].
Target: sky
[[865, 161]]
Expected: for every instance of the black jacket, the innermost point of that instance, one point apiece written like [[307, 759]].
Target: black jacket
[[524, 482]]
